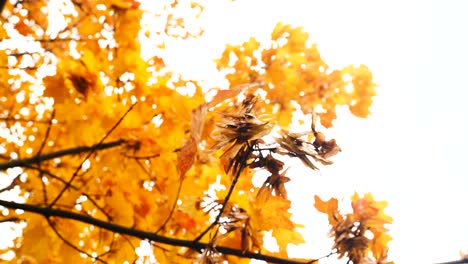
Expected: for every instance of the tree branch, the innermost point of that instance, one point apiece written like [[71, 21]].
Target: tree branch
[[70, 244], [2, 5], [461, 261], [198, 246], [72, 151], [243, 164], [91, 153]]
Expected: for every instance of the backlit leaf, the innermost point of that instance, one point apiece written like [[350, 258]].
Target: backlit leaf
[[329, 207], [186, 157]]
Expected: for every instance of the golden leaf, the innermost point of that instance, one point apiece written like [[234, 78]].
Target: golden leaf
[[124, 4], [271, 212], [330, 208], [89, 26], [284, 237], [55, 88], [120, 209], [23, 28], [186, 156]]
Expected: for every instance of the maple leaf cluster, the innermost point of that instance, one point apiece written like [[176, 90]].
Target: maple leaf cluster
[[360, 235], [293, 72], [113, 148]]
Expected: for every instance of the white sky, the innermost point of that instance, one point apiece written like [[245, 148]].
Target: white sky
[[411, 151]]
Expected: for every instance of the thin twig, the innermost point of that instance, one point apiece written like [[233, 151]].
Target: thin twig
[[55, 177], [46, 137], [44, 141], [12, 184], [243, 165], [326, 256], [179, 188], [44, 189], [150, 177], [12, 119], [18, 68], [141, 157], [10, 219], [89, 155], [70, 244]]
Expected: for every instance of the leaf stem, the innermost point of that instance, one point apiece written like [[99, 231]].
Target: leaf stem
[[226, 199]]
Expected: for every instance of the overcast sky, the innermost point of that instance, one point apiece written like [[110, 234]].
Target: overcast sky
[[411, 151]]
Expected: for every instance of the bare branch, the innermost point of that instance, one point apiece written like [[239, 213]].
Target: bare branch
[[46, 137], [10, 219], [13, 119], [179, 188], [461, 261], [70, 244], [53, 155], [55, 177], [13, 183], [2, 5]]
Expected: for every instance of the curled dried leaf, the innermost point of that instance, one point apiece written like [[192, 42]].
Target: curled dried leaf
[[323, 147], [269, 163], [211, 256], [275, 184], [361, 235], [236, 220], [239, 131], [296, 147]]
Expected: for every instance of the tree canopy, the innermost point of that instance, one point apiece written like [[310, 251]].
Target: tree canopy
[[111, 156]]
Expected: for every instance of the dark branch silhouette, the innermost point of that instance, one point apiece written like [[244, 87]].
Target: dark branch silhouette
[[2, 5], [57, 154], [198, 246], [461, 261]]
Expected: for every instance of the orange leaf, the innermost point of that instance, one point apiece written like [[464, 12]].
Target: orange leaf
[[186, 156], [329, 207], [226, 94], [125, 4], [55, 88], [287, 236], [198, 121], [119, 208]]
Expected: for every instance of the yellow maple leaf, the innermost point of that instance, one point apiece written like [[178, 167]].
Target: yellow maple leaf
[[330, 208], [368, 208], [271, 212], [40, 241], [379, 246], [297, 39], [89, 26], [55, 88], [120, 209], [284, 237]]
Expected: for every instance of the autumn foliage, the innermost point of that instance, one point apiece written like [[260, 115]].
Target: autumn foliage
[[105, 149]]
